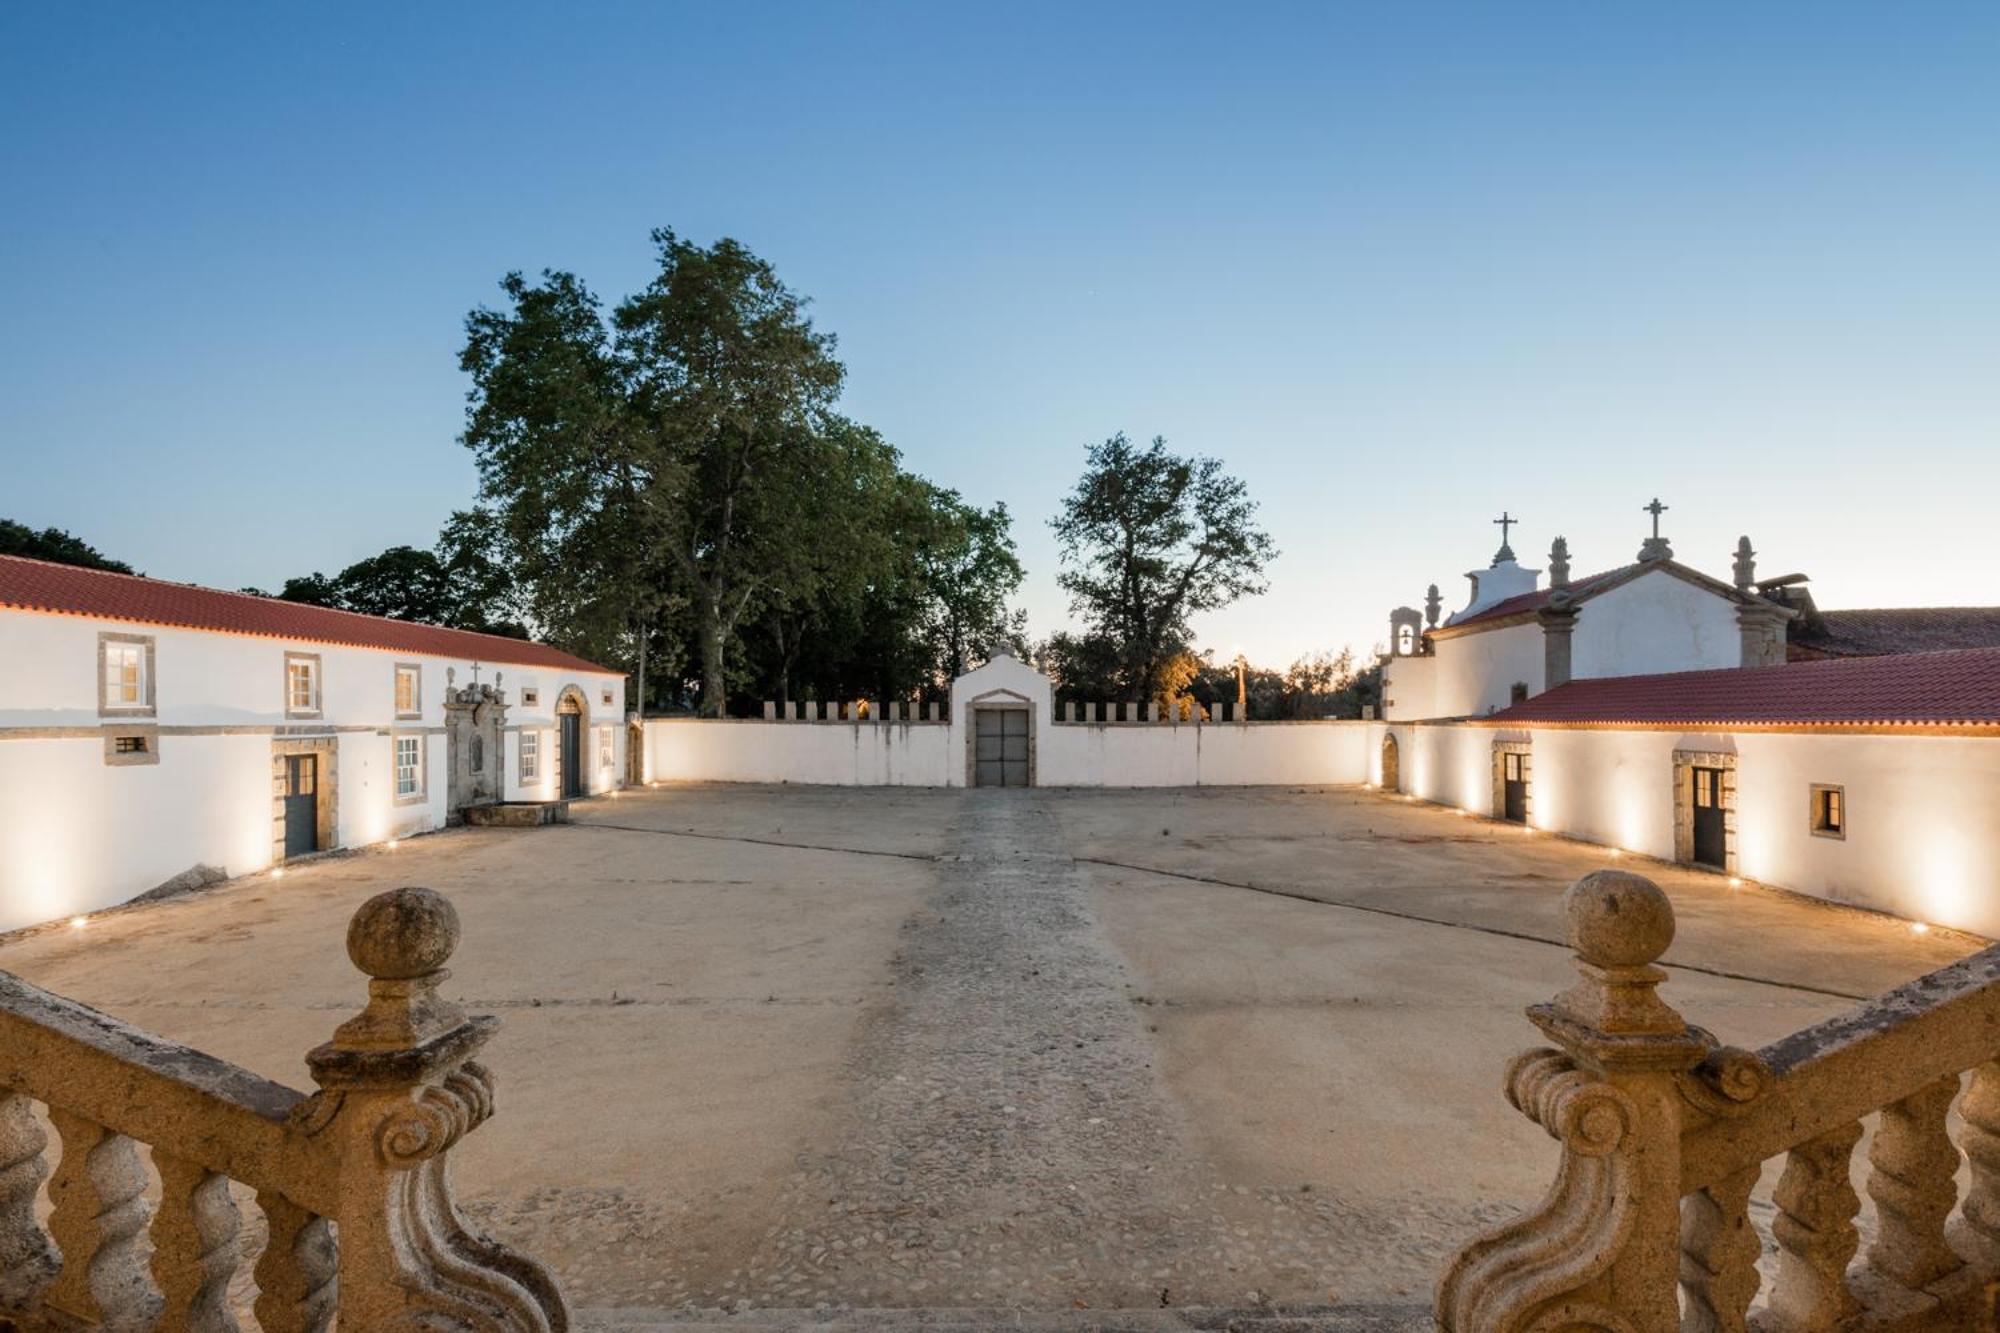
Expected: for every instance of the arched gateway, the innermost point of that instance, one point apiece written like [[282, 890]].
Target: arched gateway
[[1392, 765]]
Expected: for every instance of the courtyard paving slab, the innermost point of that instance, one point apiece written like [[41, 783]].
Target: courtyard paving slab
[[780, 1048]]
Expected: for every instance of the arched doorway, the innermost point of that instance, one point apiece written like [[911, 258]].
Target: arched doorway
[[572, 729], [1392, 765]]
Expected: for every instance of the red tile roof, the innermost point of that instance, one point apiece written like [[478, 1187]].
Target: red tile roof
[[1910, 689], [1535, 601], [37, 585], [1898, 629]]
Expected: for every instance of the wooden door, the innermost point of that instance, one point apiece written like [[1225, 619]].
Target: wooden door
[[1000, 747], [301, 804], [1710, 836], [572, 755], [1514, 786]]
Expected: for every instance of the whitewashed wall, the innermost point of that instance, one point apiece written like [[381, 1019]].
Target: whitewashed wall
[[1655, 623], [1922, 840], [78, 834], [1476, 672], [1409, 688], [1066, 754]]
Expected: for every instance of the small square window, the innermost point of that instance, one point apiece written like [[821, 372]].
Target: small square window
[[129, 745], [125, 674], [409, 767], [409, 690], [1829, 811], [530, 697], [302, 684], [607, 698]]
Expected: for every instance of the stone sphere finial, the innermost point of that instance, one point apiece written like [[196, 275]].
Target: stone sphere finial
[[1615, 918], [403, 934]]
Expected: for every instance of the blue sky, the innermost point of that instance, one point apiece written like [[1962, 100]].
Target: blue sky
[[1400, 266]]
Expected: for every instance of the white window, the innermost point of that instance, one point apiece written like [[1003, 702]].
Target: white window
[[301, 683], [409, 690], [604, 759], [531, 756], [409, 766], [124, 675]]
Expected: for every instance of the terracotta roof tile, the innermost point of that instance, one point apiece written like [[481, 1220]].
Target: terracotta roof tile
[[1534, 601], [1899, 629], [37, 585], [1910, 689]]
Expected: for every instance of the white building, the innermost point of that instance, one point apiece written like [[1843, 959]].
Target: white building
[[151, 731], [1515, 638]]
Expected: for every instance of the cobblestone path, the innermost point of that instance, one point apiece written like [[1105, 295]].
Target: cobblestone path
[[1009, 1143]]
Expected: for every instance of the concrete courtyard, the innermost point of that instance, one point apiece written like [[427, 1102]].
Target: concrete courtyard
[[1060, 1049]]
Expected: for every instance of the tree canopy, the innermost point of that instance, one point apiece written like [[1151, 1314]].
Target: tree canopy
[[55, 545], [1149, 539]]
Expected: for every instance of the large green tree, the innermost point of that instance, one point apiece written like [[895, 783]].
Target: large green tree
[[1149, 539], [660, 458], [454, 586]]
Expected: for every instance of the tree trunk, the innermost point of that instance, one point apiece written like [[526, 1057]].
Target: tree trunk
[[713, 704], [640, 706]]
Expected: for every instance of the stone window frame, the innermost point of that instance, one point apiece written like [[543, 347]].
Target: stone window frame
[[326, 780], [422, 794], [1814, 793], [148, 703], [148, 738], [416, 711], [605, 700], [528, 774], [318, 684], [1685, 762], [1526, 750], [531, 695]]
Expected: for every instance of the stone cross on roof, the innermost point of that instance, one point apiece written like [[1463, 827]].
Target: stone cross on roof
[[1655, 547], [1506, 552]]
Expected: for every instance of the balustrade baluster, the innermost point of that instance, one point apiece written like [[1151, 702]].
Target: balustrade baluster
[[1980, 1109], [295, 1274], [28, 1260], [1914, 1185], [1719, 1251], [99, 1193], [195, 1246], [1816, 1234]]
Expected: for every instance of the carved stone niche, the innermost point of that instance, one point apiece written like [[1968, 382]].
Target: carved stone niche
[[475, 720]]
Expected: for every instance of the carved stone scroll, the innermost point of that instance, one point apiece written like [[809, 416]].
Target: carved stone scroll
[[100, 1211], [1816, 1234], [1914, 1185], [195, 1246], [1719, 1251], [28, 1260]]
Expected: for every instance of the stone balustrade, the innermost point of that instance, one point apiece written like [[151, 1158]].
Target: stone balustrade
[[363, 1158], [1664, 1134]]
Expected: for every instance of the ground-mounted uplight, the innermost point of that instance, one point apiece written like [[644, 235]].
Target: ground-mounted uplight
[[1919, 928], [78, 922], [1617, 852], [391, 844], [277, 872], [1735, 883]]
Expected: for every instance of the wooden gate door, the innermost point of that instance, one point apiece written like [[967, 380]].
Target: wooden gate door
[[301, 804], [1514, 785], [572, 755], [1000, 747], [1710, 844]]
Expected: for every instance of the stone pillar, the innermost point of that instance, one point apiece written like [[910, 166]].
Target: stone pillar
[[770, 710], [399, 1088], [1602, 1250], [1558, 624], [1762, 626]]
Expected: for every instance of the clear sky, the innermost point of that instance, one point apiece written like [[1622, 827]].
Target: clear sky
[[1400, 266]]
